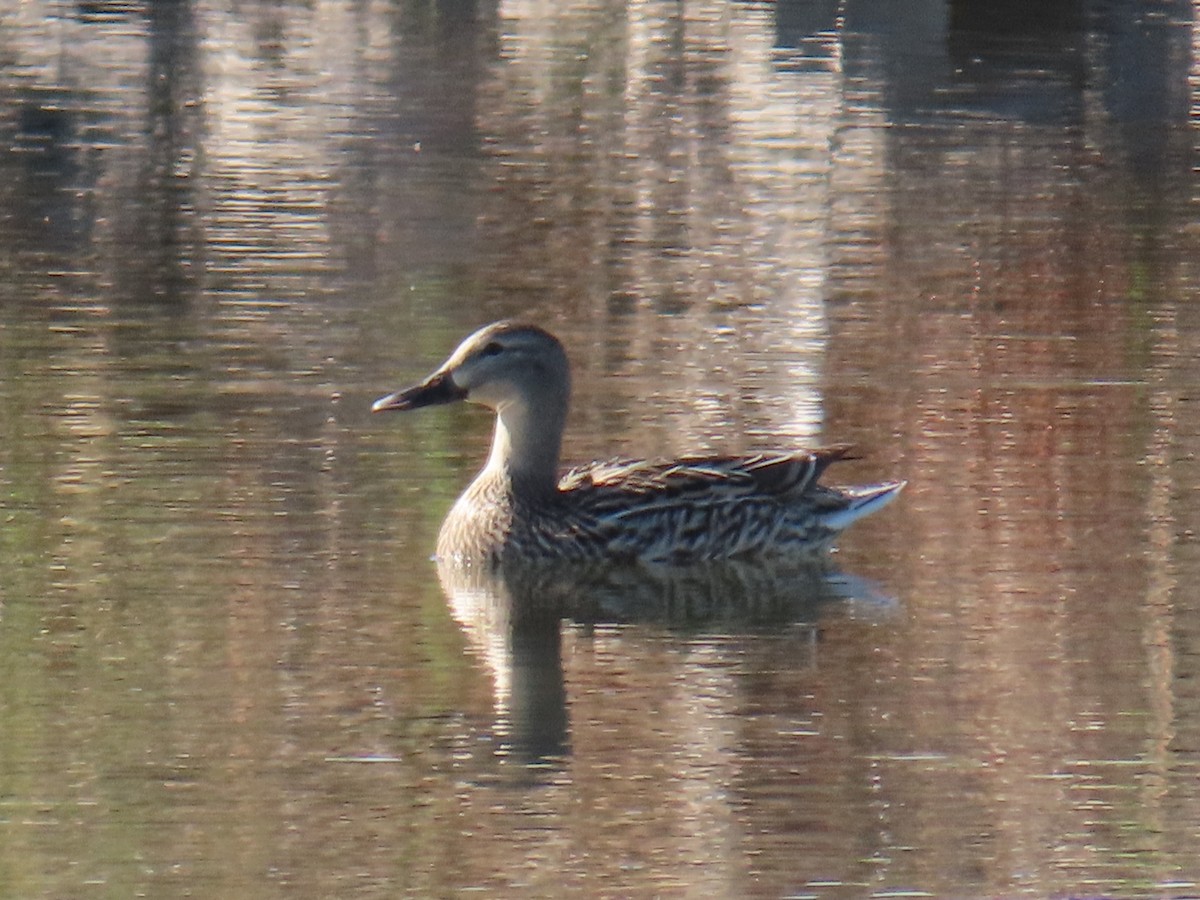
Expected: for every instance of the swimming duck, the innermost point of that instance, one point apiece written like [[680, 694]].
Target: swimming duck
[[685, 510]]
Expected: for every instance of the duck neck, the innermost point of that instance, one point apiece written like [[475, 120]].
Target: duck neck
[[525, 450]]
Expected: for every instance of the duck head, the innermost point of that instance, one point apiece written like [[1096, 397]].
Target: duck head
[[521, 372], [504, 364]]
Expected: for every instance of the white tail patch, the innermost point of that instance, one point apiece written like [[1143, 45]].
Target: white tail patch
[[862, 502]]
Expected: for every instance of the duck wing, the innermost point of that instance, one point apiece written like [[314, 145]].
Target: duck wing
[[695, 507], [781, 476]]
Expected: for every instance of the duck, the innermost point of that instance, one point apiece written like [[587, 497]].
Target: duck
[[691, 509]]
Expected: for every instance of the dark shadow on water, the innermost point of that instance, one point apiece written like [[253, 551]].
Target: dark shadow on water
[[513, 617]]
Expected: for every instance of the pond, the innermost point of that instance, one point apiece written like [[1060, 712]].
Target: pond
[[964, 240]]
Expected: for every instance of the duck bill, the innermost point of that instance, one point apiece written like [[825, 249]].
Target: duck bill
[[437, 389]]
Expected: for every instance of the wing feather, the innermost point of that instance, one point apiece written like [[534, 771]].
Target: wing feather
[[693, 505]]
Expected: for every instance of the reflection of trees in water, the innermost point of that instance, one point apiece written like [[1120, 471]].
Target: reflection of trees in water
[[661, 185]]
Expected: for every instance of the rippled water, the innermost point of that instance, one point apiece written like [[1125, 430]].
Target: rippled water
[[963, 239]]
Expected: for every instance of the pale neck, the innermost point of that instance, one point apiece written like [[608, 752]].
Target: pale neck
[[525, 450]]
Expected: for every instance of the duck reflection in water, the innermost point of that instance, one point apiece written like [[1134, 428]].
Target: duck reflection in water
[[766, 505], [512, 615]]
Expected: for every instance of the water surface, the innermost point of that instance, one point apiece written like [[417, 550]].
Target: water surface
[[966, 243]]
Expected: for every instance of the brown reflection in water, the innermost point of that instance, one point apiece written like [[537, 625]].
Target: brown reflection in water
[[1032, 422]]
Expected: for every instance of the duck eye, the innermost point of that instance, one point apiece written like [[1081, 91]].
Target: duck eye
[[491, 349]]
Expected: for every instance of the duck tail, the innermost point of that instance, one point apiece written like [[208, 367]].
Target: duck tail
[[861, 501]]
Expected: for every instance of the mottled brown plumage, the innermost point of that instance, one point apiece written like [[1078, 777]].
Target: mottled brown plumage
[[687, 509]]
